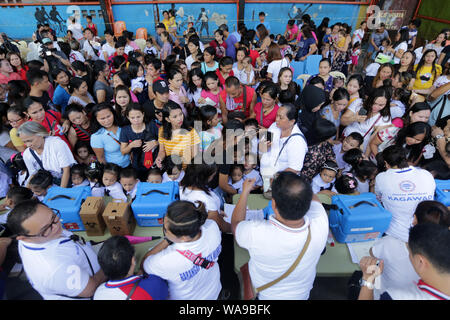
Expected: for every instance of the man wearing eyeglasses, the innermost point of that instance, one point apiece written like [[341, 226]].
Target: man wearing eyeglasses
[[56, 266]]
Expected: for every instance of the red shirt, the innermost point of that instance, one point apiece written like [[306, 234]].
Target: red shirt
[[12, 76], [52, 121], [253, 54], [221, 78], [236, 104], [267, 120], [93, 28], [23, 73], [111, 59], [221, 49]]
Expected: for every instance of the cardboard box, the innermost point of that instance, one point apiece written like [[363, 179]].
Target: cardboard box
[[119, 218], [91, 215]]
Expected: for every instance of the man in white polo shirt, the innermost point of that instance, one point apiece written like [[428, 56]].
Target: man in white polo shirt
[[56, 266], [400, 188], [276, 243]]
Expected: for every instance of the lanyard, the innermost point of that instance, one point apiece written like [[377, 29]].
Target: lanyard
[[196, 259]]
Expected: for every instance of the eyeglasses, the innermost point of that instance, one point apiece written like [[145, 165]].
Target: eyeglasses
[[45, 231]]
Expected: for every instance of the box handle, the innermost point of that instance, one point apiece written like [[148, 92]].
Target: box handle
[[157, 191], [61, 196], [362, 202]]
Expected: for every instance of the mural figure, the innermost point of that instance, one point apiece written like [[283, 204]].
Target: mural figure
[[203, 18], [44, 15], [57, 19], [298, 13]]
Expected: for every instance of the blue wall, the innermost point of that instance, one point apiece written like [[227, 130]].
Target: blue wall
[[21, 22], [142, 15], [278, 14]]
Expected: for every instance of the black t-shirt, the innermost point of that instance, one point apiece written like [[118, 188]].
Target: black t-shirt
[[46, 102], [149, 110], [446, 51]]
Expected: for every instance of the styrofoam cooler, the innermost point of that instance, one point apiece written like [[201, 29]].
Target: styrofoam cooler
[[358, 218], [443, 192], [68, 201], [152, 200]]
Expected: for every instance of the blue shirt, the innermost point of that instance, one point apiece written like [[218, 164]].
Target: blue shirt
[[303, 47], [109, 142], [231, 50], [61, 98]]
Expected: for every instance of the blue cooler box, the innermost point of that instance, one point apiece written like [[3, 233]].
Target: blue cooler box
[[443, 192], [358, 218], [68, 201], [152, 200]]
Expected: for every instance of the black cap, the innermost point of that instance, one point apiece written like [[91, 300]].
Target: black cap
[[160, 25], [160, 86]]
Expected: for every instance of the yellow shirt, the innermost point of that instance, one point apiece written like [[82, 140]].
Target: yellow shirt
[[180, 144], [16, 141], [425, 78], [172, 23], [166, 24]]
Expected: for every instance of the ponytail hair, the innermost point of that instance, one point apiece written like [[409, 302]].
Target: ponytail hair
[[186, 218]]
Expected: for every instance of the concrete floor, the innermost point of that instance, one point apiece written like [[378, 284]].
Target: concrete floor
[[329, 288]]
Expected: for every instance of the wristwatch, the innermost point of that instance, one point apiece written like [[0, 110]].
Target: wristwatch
[[438, 136], [365, 283]]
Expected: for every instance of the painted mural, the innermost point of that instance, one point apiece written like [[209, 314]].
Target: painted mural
[[278, 14], [20, 23], [206, 17]]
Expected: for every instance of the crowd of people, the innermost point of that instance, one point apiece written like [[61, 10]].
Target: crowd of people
[[109, 114]]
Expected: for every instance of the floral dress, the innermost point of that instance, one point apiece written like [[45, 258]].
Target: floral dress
[[316, 157]]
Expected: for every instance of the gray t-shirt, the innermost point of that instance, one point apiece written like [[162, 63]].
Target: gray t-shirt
[[378, 37], [98, 85]]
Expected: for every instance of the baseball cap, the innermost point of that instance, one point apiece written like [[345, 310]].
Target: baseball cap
[[160, 86], [161, 25], [47, 41]]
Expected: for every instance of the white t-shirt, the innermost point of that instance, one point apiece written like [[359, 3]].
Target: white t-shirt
[[211, 201], [137, 83], [189, 61], [97, 190], [402, 46], [398, 271], [419, 291], [363, 187], [365, 126], [195, 96], [186, 280], [108, 49], [132, 193], [89, 51], [76, 56], [76, 29], [236, 185], [372, 69], [116, 191], [358, 36], [442, 80], [58, 266], [165, 177], [400, 191], [275, 67], [56, 155], [340, 158], [293, 153], [397, 109], [317, 184], [273, 248], [254, 174], [242, 75]]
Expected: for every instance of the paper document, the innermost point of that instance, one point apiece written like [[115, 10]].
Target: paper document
[[250, 215], [359, 249]]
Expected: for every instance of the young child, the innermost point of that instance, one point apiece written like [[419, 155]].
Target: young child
[[324, 181], [365, 172], [19, 166], [172, 23], [129, 182], [83, 153], [136, 71], [14, 196], [353, 140], [91, 25], [251, 129], [78, 176], [150, 48], [154, 175], [356, 51], [236, 177], [40, 182], [249, 73], [173, 169], [351, 158], [211, 90], [250, 172], [346, 184], [211, 128], [94, 173], [113, 188]]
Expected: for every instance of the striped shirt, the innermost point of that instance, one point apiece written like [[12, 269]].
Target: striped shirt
[[179, 144]]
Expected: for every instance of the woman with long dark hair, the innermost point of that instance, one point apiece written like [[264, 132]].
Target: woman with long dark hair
[[413, 139], [427, 71], [400, 45]]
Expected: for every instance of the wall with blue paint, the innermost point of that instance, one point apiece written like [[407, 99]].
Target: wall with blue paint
[[143, 15], [278, 14], [21, 22]]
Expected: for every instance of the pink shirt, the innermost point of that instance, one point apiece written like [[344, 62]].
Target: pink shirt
[[267, 119], [214, 97], [291, 32], [176, 98], [12, 76]]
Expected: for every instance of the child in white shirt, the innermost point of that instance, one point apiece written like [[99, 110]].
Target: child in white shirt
[[250, 171], [236, 177], [129, 182], [173, 171], [94, 173], [40, 182], [136, 71], [324, 181], [78, 176], [112, 187], [353, 140], [150, 48]]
